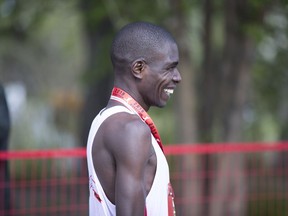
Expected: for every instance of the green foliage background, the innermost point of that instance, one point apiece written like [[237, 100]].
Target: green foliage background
[[44, 45]]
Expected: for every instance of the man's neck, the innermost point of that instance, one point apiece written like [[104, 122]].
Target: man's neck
[[134, 93]]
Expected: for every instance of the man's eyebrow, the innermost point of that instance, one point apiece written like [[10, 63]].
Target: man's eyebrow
[[172, 64], [176, 62]]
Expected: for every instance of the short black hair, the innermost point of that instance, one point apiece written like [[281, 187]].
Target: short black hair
[[138, 40]]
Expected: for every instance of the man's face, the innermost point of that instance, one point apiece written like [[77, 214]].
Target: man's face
[[162, 76]]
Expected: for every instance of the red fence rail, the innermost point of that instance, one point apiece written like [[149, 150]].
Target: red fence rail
[[254, 176]]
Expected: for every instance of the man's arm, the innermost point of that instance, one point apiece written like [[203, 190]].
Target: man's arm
[[131, 149]]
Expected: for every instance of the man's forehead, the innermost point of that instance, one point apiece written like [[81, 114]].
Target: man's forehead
[[167, 60], [172, 55], [168, 49]]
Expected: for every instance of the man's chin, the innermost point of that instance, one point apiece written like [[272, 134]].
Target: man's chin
[[162, 104]]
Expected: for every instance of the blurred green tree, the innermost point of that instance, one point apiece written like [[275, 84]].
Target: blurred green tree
[[225, 86]]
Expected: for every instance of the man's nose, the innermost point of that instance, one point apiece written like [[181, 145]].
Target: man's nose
[[177, 77]]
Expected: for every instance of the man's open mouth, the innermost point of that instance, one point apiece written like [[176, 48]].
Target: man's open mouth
[[169, 91]]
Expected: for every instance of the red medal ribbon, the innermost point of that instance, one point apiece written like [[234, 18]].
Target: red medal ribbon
[[119, 93]]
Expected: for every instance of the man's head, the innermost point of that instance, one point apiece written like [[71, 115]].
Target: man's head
[[145, 57], [138, 40]]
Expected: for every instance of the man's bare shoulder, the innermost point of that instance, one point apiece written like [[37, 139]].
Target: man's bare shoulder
[[126, 133]]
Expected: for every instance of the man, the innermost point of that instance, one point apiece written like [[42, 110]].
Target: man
[[128, 171], [4, 135]]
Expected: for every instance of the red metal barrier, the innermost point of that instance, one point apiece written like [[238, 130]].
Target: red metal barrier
[[45, 182], [216, 148], [54, 182]]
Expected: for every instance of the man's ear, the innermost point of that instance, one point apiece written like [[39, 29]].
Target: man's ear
[[138, 67]]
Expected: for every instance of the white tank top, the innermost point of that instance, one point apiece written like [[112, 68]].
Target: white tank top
[[156, 200]]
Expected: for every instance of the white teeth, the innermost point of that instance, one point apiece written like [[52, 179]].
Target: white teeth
[[169, 91]]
